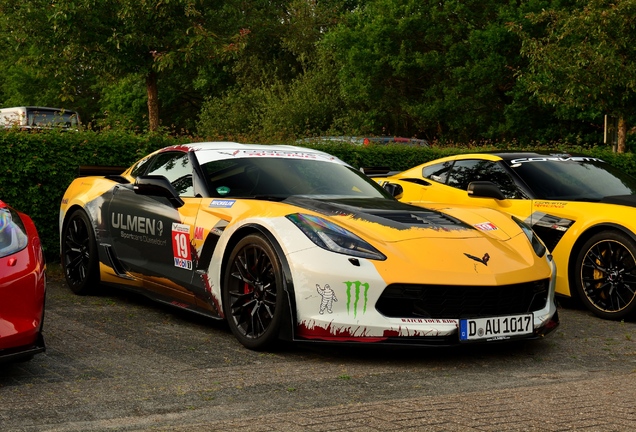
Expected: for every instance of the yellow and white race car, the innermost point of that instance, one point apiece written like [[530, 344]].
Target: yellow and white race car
[[291, 243], [581, 207]]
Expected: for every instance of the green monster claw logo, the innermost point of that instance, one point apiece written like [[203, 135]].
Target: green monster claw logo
[[356, 287]]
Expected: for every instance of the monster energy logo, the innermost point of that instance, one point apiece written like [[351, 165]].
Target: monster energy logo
[[353, 292]]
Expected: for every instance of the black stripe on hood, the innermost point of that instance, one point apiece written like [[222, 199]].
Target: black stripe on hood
[[392, 213]]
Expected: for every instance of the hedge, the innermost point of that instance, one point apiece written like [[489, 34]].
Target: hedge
[[37, 167]]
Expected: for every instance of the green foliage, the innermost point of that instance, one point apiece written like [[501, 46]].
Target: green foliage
[[279, 112], [283, 87], [445, 71], [582, 55], [274, 70], [123, 104], [36, 168]]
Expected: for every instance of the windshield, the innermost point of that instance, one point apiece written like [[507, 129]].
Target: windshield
[[282, 177], [51, 118], [573, 178]]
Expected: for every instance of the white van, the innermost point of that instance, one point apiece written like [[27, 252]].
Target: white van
[[33, 117]]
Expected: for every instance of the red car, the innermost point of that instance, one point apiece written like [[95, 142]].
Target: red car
[[22, 286]]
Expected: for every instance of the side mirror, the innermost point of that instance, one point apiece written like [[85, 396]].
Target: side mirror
[[159, 186], [485, 189], [393, 188]]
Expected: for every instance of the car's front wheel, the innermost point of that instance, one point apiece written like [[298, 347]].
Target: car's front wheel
[[606, 275], [253, 293], [79, 254]]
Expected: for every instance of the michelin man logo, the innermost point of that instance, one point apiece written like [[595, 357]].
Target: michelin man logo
[[328, 297]]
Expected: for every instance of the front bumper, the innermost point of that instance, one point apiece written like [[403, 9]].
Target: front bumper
[[336, 302], [23, 352]]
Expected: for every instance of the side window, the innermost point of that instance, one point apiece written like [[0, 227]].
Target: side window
[[466, 171], [438, 172], [176, 167]]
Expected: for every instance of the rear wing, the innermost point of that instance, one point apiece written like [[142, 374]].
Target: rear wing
[[113, 173], [378, 171]]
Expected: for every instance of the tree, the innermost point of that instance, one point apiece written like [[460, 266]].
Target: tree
[[281, 86], [428, 68], [117, 39], [583, 56]]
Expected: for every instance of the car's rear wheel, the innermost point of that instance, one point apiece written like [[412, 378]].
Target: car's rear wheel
[[606, 275], [79, 254], [253, 293]]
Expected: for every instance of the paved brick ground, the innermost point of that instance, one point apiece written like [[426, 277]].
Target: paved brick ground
[[118, 362], [593, 405]]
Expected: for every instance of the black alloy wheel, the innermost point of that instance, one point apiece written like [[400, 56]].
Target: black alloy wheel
[[606, 275], [253, 293], [79, 254]]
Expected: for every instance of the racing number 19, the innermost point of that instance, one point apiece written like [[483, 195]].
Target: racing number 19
[[181, 245], [181, 242]]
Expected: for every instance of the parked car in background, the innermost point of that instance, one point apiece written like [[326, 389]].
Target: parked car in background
[[582, 208], [22, 287], [367, 141], [292, 243], [34, 117]]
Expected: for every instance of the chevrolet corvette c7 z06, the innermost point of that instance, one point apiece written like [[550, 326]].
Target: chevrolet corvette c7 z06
[[290, 243]]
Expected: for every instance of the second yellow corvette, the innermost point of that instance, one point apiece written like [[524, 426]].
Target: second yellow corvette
[[581, 207]]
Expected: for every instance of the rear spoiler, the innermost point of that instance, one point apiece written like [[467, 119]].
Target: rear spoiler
[[99, 170]]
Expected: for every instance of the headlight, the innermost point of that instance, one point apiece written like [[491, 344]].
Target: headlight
[[333, 238], [537, 244], [13, 237]]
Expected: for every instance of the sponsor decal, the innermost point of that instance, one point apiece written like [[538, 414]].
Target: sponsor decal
[[328, 297], [484, 260], [274, 153], [198, 233], [486, 226], [143, 238], [357, 292], [223, 203], [550, 204], [181, 246], [182, 263], [556, 158], [64, 200], [138, 224], [138, 228], [429, 321]]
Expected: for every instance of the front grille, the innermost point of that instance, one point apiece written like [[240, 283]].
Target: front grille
[[452, 301]]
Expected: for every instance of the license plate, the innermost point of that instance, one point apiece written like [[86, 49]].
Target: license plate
[[496, 328]]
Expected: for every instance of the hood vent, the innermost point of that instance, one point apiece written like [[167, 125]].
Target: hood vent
[[422, 219]]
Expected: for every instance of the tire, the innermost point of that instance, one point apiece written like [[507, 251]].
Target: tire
[[605, 276], [253, 293], [79, 254]]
